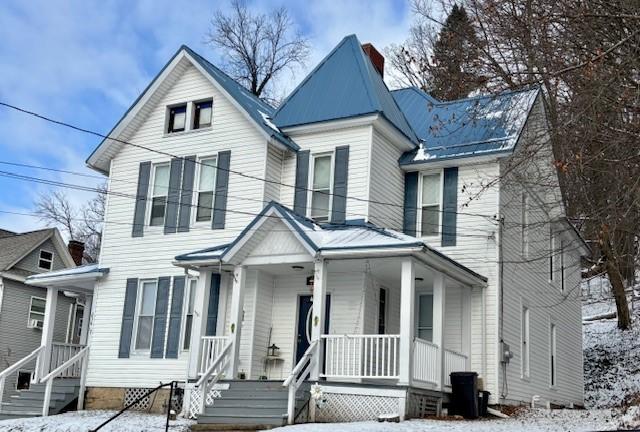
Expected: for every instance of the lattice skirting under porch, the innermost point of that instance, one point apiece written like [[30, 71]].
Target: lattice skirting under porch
[[195, 399], [131, 394], [344, 407]]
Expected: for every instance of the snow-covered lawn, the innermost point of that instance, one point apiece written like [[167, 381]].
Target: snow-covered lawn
[[82, 421], [538, 420]]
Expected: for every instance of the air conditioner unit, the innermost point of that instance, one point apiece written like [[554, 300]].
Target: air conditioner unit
[[34, 323]]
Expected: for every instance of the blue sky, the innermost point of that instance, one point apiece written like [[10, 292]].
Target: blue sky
[[85, 62]]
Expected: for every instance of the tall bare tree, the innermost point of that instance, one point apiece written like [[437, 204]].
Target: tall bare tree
[[257, 47]]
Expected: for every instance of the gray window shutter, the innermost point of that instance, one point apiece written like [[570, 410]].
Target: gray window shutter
[[340, 175], [410, 220], [128, 313], [175, 318], [302, 182], [141, 199], [449, 206], [222, 188], [173, 196], [212, 308], [186, 194], [160, 317]]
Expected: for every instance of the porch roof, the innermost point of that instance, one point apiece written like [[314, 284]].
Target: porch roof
[[355, 237], [80, 278]]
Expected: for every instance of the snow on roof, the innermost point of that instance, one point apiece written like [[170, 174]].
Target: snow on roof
[[466, 127]]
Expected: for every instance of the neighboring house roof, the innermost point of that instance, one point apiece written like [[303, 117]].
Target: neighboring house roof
[[256, 109], [15, 247], [6, 233], [467, 127], [343, 85], [352, 236]]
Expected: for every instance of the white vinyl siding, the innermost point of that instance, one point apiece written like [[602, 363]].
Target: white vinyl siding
[[524, 225], [553, 356]]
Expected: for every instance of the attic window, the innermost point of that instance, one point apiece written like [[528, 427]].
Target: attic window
[[45, 260], [177, 118], [202, 114]]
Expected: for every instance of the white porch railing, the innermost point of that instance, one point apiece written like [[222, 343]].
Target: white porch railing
[[212, 375], [425, 361], [15, 367], [454, 362], [297, 376], [80, 359], [212, 346], [60, 354], [361, 356]]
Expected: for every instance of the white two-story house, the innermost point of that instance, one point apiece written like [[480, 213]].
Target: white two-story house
[[368, 240]]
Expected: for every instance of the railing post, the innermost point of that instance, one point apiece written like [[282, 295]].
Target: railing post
[[199, 325], [407, 298], [2, 380], [319, 310], [44, 359], [291, 403], [237, 307], [438, 323], [47, 398], [83, 380]]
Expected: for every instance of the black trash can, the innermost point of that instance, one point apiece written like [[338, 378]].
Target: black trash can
[[483, 402], [464, 394]]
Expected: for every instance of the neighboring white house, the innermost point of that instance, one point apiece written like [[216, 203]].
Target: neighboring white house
[[380, 240]]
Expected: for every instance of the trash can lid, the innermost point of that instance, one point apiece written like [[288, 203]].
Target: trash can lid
[[463, 374]]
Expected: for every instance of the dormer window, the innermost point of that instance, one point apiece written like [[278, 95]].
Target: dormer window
[[321, 188], [202, 113], [177, 118], [45, 260], [159, 192]]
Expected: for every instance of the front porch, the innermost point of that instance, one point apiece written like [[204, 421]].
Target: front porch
[[394, 316]]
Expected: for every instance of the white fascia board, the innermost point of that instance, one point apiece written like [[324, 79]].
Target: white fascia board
[[460, 161]]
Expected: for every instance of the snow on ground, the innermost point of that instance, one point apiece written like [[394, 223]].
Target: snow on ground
[[82, 421], [538, 420]]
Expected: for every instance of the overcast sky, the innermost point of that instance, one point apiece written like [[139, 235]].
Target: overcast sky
[[85, 62]]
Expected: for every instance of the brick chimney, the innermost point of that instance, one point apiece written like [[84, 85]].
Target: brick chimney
[[376, 58], [76, 249]]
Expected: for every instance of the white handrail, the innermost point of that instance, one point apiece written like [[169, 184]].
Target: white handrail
[[295, 379], [220, 362], [14, 367], [82, 354]]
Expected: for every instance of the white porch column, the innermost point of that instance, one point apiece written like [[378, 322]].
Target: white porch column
[[319, 312], [235, 328], [407, 300], [199, 321], [438, 322], [44, 359], [86, 317]]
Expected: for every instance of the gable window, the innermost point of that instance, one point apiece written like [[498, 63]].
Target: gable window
[[159, 193], [188, 321], [425, 317], [552, 358], [202, 113], [23, 381], [36, 312], [382, 311], [206, 187], [45, 260], [177, 118], [525, 225], [525, 343], [146, 313], [431, 205], [321, 188]]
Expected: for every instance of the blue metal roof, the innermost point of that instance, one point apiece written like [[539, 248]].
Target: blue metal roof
[[343, 85], [466, 127]]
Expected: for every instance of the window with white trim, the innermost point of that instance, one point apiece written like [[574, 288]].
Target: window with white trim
[[552, 357], [190, 295], [525, 343], [145, 315], [206, 187], [35, 318], [177, 120], [524, 224], [425, 317], [202, 114], [45, 260], [431, 204], [159, 194], [321, 187]]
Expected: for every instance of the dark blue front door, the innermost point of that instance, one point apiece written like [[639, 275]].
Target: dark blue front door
[[305, 308]]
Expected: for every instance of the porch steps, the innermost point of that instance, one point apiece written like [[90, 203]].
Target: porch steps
[[248, 403], [29, 402]]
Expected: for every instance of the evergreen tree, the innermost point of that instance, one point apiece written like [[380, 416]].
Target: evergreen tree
[[456, 65]]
